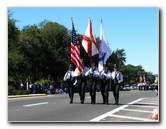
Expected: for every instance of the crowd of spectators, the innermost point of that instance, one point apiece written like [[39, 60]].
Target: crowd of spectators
[[37, 88]]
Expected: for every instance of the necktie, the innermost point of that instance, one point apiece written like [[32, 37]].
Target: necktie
[[115, 74], [70, 74]]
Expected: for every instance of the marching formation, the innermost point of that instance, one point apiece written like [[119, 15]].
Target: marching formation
[[89, 77], [83, 76]]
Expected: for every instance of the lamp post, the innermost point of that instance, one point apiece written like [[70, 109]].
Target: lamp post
[[27, 83]]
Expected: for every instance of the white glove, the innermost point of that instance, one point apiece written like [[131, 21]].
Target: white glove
[[91, 72]]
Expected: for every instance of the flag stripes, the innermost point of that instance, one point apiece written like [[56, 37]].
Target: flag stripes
[[75, 51]]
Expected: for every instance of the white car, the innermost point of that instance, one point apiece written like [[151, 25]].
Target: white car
[[126, 88]]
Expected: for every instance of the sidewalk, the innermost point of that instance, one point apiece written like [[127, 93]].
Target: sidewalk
[[22, 96]]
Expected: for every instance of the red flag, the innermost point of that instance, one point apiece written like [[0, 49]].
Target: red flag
[[89, 41], [75, 51]]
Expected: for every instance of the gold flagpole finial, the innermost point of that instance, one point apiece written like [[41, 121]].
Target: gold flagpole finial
[[72, 20], [89, 18]]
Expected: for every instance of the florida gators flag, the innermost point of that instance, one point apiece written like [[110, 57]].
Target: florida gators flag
[[104, 49], [89, 41]]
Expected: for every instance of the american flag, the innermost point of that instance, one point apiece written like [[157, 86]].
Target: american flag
[[144, 79], [75, 51], [140, 79]]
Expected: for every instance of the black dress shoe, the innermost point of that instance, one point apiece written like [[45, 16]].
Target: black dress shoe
[[71, 101], [93, 103], [103, 102], [82, 102]]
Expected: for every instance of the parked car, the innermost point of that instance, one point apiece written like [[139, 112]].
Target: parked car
[[126, 88], [133, 87], [152, 87]]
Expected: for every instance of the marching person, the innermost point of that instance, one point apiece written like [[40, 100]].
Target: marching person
[[92, 74], [105, 83], [81, 82], [70, 79], [117, 78]]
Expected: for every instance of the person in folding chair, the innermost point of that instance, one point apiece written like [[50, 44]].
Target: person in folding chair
[[117, 78]]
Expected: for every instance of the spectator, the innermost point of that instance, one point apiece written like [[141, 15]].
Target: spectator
[[155, 114], [56, 91], [60, 91], [22, 86], [156, 84]]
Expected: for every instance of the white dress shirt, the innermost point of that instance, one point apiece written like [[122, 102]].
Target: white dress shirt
[[106, 74], [76, 72], [92, 70], [118, 76], [69, 75]]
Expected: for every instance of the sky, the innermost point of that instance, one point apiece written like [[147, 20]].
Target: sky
[[136, 30]]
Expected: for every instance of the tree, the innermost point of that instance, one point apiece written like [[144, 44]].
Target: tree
[[16, 60], [118, 57], [47, 50]]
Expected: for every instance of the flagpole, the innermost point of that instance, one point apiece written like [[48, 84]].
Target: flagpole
[[102, 29], [90, 58], [72, 20]]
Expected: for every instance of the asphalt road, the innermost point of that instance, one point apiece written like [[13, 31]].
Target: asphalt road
[[134, 106]]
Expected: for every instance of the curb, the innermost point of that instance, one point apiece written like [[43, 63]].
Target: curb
[[30, 95]]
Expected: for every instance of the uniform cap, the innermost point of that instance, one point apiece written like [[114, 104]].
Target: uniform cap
[[92, 61], [115, 66], [70, 66], [82, 60]]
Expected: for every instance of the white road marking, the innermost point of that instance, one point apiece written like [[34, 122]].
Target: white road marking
[[138, 110], [146, 103], [144, 106], [90, 97], [150, 101], [133, 118], [114, 111], [35, 104]]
